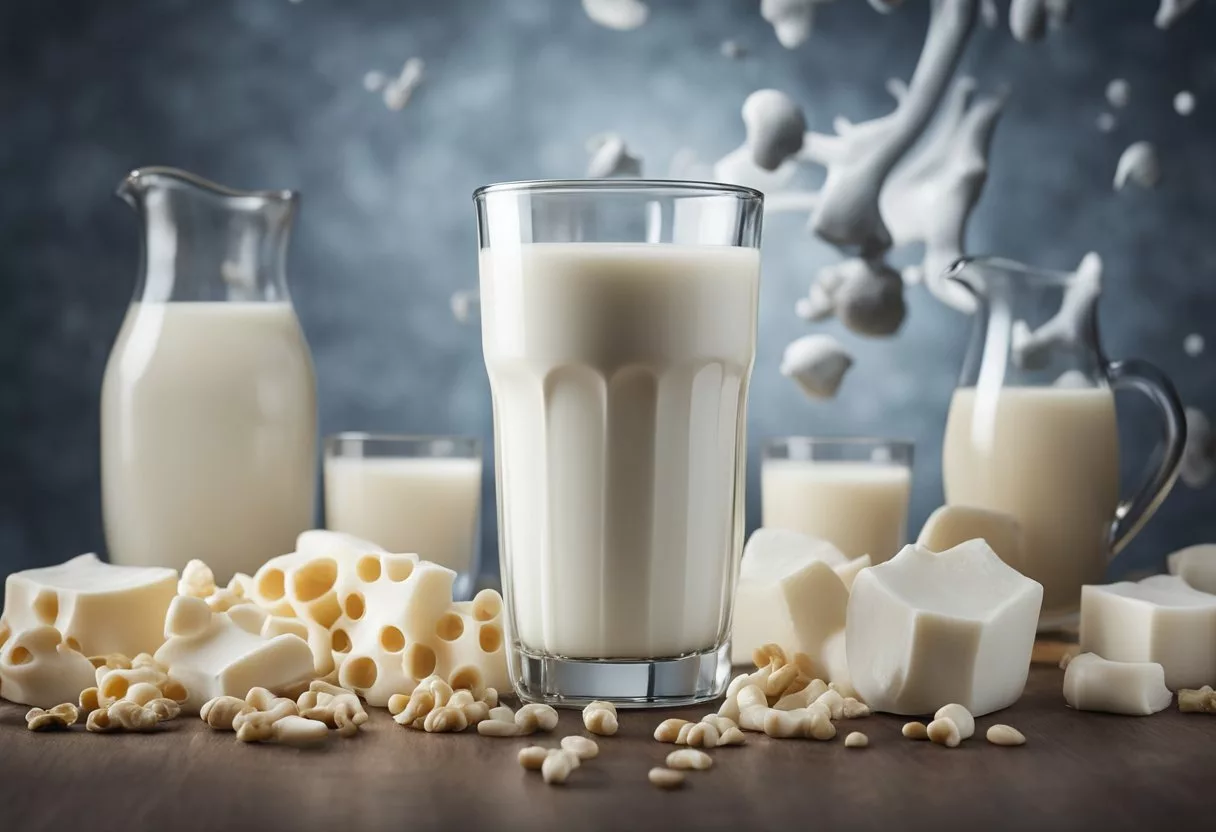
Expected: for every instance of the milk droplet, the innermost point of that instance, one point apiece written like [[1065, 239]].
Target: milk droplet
[[1106, 122], [1184, 103], [621, 15], [1193, 345], [1118, 93]]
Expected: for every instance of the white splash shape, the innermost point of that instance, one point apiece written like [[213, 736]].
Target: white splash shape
[[465, 303], [1028, 19], [621, 15], [399, 90], [775, 127], [610, 157], [866, 295], [1118, 93], [990, 13], [1138, 164], [1067, 330], [1170, 10], [859, 160], [817, 363], [1199, 454], [792, 20], [929, 198], [1106, 122], [1184, 103], [739, 168]]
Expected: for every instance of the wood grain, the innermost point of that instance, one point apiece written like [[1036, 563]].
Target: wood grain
[[1077, 771]]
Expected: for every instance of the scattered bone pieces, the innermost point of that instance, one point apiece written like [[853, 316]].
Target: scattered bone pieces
[[557, 766], [1091, 683], [788, 593], [1201, 701], [915, 731], [610, 157], [721, 723], [600, 717], [961, 718], [400, 89], [1161, 619], [580, 747], [1118, 93], [298, 732], [669, 729], [853, 709], [197, 580], [621, 15], [532, 757], [866, 295], [1184, 103], [858, 161], [1199, 454], [1196, 565], [775, 127], [1193, 345], [536, 717], [666, 778], [699, 735], [732, 49], [963, 608], [1139, 165], [731, 736], [689, 758], [929, 198], [124, 715], [943, 731], [856, 739], [948, 526], [220, 712], [1170, 10], [38, 667], [817, 363], [57, 718], [445, 719], [1068, 329], [1106, 122], [791, 20], [336, 707], [1005, 735], [98, 608], [498, 728]]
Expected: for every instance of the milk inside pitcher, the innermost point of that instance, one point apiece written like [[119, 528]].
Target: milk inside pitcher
[[208, 405]]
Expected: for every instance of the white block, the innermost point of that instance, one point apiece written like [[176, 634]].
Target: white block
[[1196, 565], [789, 594], [1159, 619], [103, 608], [925, 630], [1092, 683], [949, 526], [225, 659], [38, 668]]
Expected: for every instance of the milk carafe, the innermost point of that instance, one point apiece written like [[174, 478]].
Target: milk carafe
[[208, 407], [1032, 429]]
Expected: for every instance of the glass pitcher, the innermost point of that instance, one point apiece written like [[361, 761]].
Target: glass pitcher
[[1032, 429], [208, 405]]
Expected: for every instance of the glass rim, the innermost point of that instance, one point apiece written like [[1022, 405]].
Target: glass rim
[[413, 438], [843, 441], [671, 187], [1036, 274]]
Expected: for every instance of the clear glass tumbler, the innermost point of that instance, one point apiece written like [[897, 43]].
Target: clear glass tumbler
[[851, 491], [419, 494], [619, 331]]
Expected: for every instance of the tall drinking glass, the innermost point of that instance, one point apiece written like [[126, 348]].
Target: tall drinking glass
[[619, 331]]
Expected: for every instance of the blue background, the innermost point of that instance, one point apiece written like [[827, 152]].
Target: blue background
[[268, 93]]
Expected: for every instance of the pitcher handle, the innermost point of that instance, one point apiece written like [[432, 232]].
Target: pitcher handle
[[1135, 511]]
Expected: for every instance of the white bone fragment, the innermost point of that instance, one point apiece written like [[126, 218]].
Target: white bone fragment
[[1160, 619], [610, 157], [1092, 683], [621, 15], [775, 127], [1068, 329], [817, 363], [1170, 10], [1118, 93], [1139, 165], [948, 526], [925, 629]]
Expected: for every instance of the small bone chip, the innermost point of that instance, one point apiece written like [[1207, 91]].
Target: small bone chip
[[1005, 735], [57, 718], [666, 778]]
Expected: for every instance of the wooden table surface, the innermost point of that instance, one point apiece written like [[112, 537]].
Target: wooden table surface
[[1077, 771]]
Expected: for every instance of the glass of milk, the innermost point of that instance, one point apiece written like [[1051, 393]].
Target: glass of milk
[[419, 494], [852, 492], [619, 330]]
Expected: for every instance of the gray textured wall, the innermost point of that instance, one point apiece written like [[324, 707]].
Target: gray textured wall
[[267, 93]]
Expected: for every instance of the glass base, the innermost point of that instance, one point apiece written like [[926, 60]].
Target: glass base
[[651, 683]]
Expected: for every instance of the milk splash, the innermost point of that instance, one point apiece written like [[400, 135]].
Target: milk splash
[[1138, 164], [1170, 10], [610, 157], [817, 363], [621, 15], [792, 20], [1067, 330]]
